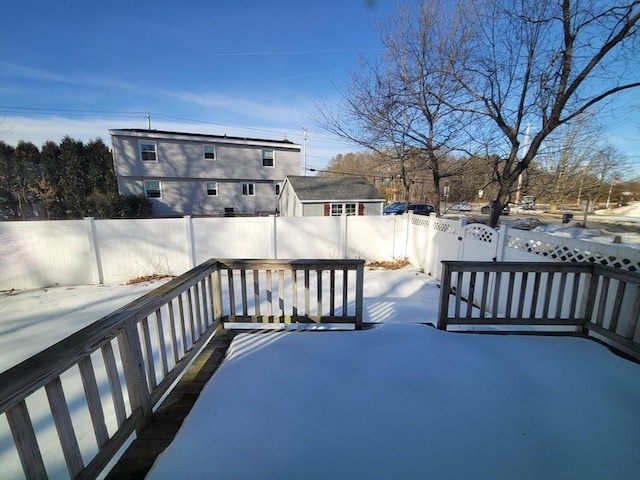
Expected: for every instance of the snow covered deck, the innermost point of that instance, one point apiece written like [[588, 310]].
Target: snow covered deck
[[398, 400]]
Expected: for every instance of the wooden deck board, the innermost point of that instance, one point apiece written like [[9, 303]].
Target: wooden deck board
[[138, 459]]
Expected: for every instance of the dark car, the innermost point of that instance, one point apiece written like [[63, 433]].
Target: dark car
[[416, 208], [486, 210]]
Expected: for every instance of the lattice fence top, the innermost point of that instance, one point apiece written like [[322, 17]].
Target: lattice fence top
[[420, 220], [445, 227], [574, 253], [477, 231], [439, 224]]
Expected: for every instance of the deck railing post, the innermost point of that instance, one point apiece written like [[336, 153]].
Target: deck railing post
[[445, 289], [134, 371], [359, 294]]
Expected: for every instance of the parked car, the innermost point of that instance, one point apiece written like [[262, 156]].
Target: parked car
[[461, 207], [391, 208], [416, 208], [486, 210]]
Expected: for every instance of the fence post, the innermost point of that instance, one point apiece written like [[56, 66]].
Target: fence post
[[191, 242], [461, 225], [94, 248], [502, 239], [343, 236], [274, 242]]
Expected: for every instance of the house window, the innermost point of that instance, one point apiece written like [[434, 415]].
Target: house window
[[212, 189], [153, 188], [277, 189], [148, 151], [209, 152], [336, 209], [268, 158], [248, 189]]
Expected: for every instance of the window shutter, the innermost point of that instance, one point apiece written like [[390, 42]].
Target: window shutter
[[327, 209], [361, 209]]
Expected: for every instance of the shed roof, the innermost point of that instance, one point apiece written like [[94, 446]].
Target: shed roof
[[310, 189]]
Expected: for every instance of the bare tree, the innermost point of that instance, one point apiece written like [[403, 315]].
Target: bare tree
[[396, 106], [472, 76], [543, 64]]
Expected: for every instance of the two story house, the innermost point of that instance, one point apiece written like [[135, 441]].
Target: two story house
[[197, 174]]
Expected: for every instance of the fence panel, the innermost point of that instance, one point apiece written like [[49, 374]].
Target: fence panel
[[36, 254], [238, 237], [373, 238], [309, 237], [135, 248]]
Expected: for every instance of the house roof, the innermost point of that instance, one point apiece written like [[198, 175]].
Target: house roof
[[164, 134], [309, 189]]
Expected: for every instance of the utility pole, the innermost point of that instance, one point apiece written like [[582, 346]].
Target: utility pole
[[304, 149]]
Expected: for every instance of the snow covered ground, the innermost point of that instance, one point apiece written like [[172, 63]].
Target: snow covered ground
[[397, 401]]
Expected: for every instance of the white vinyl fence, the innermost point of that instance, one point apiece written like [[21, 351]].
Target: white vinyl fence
[[89, 251]]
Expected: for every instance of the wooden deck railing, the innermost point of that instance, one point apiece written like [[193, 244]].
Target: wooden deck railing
[[594, 299], [128, 360]]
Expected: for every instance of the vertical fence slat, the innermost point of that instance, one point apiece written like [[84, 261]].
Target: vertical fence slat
[[634, 318], [114, 382], [524, 280], [281, 293], [602, 302], [512, 282], [319, 293], [183, 325], [269, 293], [472, 292], [217, 288], [161, 343], [243, 291], [547, 295], [496, 294], [537, 277], [232, 295], [307, 294], [148, 351], [174, 333], [92, 393], [192, 324], [483, 295], [459, 284], [617, 306], [256, 292], [332, 294], [294, 292], [560, 299], [197, 305], [578, 278], [24, 438], [64, 427], [345, 291], [205, 305]]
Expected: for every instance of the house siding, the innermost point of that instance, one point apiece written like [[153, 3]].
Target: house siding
[[183, 171]]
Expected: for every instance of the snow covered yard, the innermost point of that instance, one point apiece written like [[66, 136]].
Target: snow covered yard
[[395, 401]]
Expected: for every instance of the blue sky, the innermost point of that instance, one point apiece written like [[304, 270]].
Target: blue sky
[[237, 67]]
